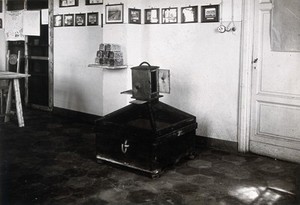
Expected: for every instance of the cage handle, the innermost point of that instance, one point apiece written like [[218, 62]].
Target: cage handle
[[145, 63]]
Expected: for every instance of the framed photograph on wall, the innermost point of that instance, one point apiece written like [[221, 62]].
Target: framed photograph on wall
[[69, 20], [134, 16], [68, 3], [92, 19], [114, 13], [152, 16], [93, 2], [189, 14], [79, 19], [1, 26], [58, 20], [1, 2], [210, 13], [169, 15]]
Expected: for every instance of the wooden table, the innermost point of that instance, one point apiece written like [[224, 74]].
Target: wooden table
[[13, 83]]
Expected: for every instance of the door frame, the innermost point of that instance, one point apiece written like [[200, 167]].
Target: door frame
[[50, 53], [245, 77], [50, 61], [246, 66]]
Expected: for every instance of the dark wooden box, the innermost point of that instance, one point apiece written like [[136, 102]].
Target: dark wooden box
[[145, 84], [149, 137]]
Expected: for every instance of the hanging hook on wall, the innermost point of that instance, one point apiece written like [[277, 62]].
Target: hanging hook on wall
[[221, 28], [231, 26]]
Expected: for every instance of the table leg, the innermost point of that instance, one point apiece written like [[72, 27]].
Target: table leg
[[18, 103], [8, 102]]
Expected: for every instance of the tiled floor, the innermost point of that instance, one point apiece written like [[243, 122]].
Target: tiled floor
[[52, 161]]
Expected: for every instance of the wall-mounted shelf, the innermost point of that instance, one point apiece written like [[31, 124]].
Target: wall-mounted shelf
[[108, 67]]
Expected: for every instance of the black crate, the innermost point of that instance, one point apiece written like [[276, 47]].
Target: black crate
[[149, 137]]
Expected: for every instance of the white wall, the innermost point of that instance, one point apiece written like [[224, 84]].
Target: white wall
[[204, 74], [204, 64], [77, 87]]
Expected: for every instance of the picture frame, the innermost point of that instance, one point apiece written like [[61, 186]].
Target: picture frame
[[189, 14], [68, 3], [134, 16], [69, 20], [114, 13], [1, 5], [1, 25], [169, 15], [80, 19], [152, 16], [210, 13], [93, 2], [93, 19], [58, 20]]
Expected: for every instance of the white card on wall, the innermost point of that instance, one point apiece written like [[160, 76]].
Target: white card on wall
[[31, 23]]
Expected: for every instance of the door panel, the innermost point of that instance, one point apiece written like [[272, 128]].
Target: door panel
[[279, 120], [38, 84], [275, 109]]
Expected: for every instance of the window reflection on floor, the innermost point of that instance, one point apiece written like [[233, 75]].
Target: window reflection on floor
[[258, 195]]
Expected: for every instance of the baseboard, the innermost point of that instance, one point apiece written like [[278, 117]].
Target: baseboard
[[79, 116], [223, 145]]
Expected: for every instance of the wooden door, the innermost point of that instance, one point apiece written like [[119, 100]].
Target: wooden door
[[275, 105]]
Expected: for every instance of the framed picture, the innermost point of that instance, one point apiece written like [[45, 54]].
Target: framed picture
[[79, 19], [69, 20], [58, 20], [152, 16], [1, 2], [189, 14], [114, 13], [169, 15], [68, 3], [210, 13], [93, 2], [92, 19], [1, 26], [134, 16]]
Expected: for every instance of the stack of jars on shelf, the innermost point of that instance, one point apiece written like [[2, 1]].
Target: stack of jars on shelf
[[109, 55]]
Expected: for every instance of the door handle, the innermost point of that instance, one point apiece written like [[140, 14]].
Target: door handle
[[254, 63]]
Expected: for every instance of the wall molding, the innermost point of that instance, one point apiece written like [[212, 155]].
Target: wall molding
[[79, 116], [216, 144]]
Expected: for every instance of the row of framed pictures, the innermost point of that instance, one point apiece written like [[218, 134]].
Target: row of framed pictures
[[69, 3], [81, 19], [114, 13], [189, 14]]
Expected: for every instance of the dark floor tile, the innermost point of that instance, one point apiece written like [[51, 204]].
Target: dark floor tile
[[52, 161]]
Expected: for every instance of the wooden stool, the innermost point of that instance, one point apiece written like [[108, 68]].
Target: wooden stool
[[11, 59], [13, 85]]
